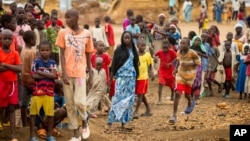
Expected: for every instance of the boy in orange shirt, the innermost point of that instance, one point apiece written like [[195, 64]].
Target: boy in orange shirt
[[10, 64]]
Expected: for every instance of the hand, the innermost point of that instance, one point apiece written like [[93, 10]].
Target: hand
[[168, 65], [66, 79], [90, 80], [174, 72], [155, 60], [152, 75]]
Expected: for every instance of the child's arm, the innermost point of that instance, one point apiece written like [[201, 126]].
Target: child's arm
[[151, 71], [41, 10], [51, 75], [15, 68], [176, 67], [164, 34], [2, 68]]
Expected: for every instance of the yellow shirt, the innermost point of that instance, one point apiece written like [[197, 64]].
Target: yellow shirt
[[205, 23], [145, 62]]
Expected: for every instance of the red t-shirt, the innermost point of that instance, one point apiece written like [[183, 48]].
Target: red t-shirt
[[106, 62], [58, 23], [11, 58], [215, 40], [240, 16], [110, 32], [13, 45], [34, 14], [166, 58]]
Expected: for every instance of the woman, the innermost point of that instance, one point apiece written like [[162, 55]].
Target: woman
[[218, 11], [125, 70], [197, 46], [187, 10], [239, 37]]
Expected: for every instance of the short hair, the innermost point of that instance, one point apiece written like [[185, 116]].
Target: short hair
[[45, 42], [141, 41], [28, 35], [6, 31], [86, 26], [130, 12], [107, 19], [99, 60], [6, 19]]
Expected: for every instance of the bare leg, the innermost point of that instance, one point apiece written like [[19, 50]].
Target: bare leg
[[139, 100], [240, 97], [188, 97], [145, 101], [32, 125], [176, 102], [11, 110], [160, 92], [24, 113], [172, 94], [50, 125]]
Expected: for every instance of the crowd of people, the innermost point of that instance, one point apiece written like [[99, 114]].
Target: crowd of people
[[53, 72]]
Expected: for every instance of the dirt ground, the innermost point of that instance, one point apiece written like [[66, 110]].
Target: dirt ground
[[206, 123]]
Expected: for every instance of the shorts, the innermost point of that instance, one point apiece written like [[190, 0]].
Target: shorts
[[229, 74], [26, 96], [9, 93], [170, 82], [45, 101], [112, 89], [141, 86], [183, 88]]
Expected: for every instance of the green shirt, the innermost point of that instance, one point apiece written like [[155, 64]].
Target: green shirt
[[52, 33]]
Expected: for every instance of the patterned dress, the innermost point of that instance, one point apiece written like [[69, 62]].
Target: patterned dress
[[123, 100]]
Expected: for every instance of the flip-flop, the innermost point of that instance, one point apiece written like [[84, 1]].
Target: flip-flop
[[41, 133], [85, 133], [172, 119], [146, 114], [190, 109], [56, 132]]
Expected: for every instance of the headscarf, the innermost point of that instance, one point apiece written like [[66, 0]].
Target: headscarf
[[162, 14], [238, 25], [243, 48], [201, 44], [172, 25]]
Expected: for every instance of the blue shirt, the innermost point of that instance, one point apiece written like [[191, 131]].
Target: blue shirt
[[175, 35], [133, 30], [204, 61], [59, 99]]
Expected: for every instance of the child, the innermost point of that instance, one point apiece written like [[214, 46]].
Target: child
[[226, 59], [27, 57], [99, 87], [106, 58], [173, 33], [13, 8], [172, 12], [215, 34], [134, 29], [212, 66], [52, 32], [126, 21], [248, 29], [21, 26], [99, 33], [30, 7], [40, 33], [142, 81], [75, 58], [234, 47], [59, 23], [9, 66], [199, 48], [247, 82], [205, 23], [110, 35], [86, 26], [167, 58], [188, 60], [44, 74], [240, 84], [241, 19], [9, 22], [229, 15]]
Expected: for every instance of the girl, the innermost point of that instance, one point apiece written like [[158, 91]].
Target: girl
[[247, 83], [212, 66], [239, 37], [242, 71], [187, 10], [215, 34], [197, 46], [125, 70]]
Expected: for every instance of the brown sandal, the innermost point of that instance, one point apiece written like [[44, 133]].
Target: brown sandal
[[41, 133]]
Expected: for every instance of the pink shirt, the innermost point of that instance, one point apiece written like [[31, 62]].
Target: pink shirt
[[19, 38]]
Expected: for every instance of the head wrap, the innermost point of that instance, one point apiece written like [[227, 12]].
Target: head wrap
[[244, 47], [201, 44], [238, 25]]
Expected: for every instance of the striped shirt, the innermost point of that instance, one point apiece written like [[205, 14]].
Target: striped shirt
[[187, 74]]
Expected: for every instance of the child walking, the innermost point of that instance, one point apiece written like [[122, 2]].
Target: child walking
[[99, 33], [188, 60], [44, 72], [9, 66], [167, 58], [142, 81], [110, 35], [240, 83], [27, 57]]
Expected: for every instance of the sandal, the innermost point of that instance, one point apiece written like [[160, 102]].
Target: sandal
[[189, 109], [172, 119], [41, 133], [146, 114], [56, 132]]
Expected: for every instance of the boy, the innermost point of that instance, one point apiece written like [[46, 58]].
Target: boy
[[52, 32], [44, 74], [187, 61], [106, 58], [99, 87], [27, 57], [9, 66], [126, 21], [134, 29], [110, 35], [59, 23], [142, 81], [226, 59], [75, 57], [99, 33], [167, 58]]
